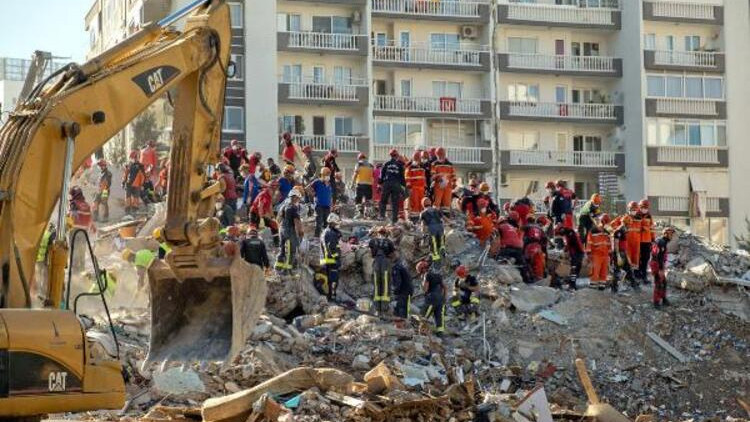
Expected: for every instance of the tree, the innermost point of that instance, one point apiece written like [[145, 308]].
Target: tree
[[743, 242], [144, 128]]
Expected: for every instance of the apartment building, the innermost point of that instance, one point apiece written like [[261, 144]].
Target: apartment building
[[13, 72]]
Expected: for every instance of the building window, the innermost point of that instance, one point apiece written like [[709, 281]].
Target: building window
[[523, 92], [446, 89], [343, 126], [235, 13], [674, 132], [238, 62], [679, 86], [288, 23], [445, 42], [523, 140], [398, 133], [522, 45], [234, 119], [332, 24]]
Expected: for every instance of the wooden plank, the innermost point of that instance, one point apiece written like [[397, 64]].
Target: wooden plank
[[737, 281], [586, 382], [668, 347]]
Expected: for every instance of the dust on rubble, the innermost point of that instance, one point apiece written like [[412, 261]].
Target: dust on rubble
[[307, 360]]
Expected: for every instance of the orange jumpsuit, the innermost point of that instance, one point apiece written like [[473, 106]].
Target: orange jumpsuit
[[647, 236], [482, 226], [601, 246], [633, 238], [416, 181], [443, 182]]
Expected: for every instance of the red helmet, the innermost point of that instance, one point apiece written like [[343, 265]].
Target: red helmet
[[461, 271], [550, 185], [75, 192], [644, 203], [233, 231], [632, 205], [513, 215], [422, 267], [440, 152], [307, 149], [361, 156], [102, 163], [426, 202], [542, 221], [417, 156], [134, 154], [605, 219], [393, 153], [506, 207]]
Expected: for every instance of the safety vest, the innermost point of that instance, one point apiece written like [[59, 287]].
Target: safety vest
[[165, 247], [328, 257], [445, 171], [364, 175], [111, 287], [41, 254], [634, 225], [647, 224], [600, 243], [415, 176], [144, 258]]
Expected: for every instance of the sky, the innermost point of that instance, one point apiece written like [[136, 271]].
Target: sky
[[49, 25]]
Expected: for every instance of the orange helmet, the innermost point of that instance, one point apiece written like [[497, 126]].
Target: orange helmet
[[461, 271], [644, 203], [596, 199], [307, 149], [605, 219], [440, 152], [632, 205], [233, 231], [422, 267], [426, 202], [484, 187]]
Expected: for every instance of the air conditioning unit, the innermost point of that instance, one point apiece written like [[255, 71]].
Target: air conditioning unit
[[469, 32], [356, 16]]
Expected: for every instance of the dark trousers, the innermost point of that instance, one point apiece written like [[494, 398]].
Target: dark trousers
[[321, 219], [625, 267], [585, 223], [645, 257], [517, 255], [286, 259], [437, 243], [403, 304], [434, 306], [392, 191], [381, 274], [660, 285], [269, 222], [332, 272]]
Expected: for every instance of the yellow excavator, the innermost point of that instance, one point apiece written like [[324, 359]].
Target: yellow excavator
[[203, 303]]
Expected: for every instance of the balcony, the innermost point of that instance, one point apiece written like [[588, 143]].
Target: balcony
[[464, 156], [679, 206], [324, 143], [691, 61], [322, 43], [561, 112], [451, 10], [560, 65], [688, 156], [546, 13], [330, 93], [562, 160], [686, 107], [357, 3], [672, 11], [438, 107], [424, 57]]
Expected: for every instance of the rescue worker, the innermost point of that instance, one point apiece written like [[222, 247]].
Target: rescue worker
[[483, 223], [149, 159], [432, 223], [443, 181], [403, 288], [659, 265], [560, 200], [273, 168], [79, 209], [600, 247], [468, 201], [286, 182], [484, 193], [262, 209], [164, 248], [254, 162], [511, 246], [647, 237], [427, 166], [435, 294], [330, 254], [381, 249], [101, 200], [235, 155], [310, 168], [39, 287], [534, 248], [621, 258], [142, 260], [224, 212], [253, 250], [633, 222], [574, 249], [109, 279], [393, 184], [291, 233], [322, 191], [589, 212], [161, 185], [133, 179], [362, 180], [329, 162], [340, 188], [466, 302], [523, 206], [416, 182], [288, 152]]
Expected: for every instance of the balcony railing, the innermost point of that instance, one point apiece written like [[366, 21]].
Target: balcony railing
[[563, 110], [323, 41], [682, 204], [553, 13], [685, 106], [670, 9], [561, 63], [326, 142], [322, 91], [685, 58], [457, 155], [448, 105], [449, 8], [688, 154], [598, 159], [426, 55]]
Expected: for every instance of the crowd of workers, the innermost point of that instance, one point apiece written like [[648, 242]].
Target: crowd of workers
[[423, 189]]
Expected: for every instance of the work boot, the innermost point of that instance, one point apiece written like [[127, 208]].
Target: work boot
[[665, 302], [657, 305]]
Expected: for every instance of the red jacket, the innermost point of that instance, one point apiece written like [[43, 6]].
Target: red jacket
[[80, 211], [509, 236], [230, 192], [262, 203]]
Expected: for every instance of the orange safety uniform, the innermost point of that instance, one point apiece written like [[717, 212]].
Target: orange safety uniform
[[633, 237], [482, 226], [416, 181], [601, 246], [443, 182]]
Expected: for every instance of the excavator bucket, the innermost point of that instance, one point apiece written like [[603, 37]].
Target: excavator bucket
[[204, 319]]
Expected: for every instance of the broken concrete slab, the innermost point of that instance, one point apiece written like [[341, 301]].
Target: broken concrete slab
[[533, 298], [176, 381], [668, 347], [732, 301]]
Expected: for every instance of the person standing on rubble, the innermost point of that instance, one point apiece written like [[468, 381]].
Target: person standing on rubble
[[132, 180], [511, 246], [230, 185], [101, 200], [560, 201], [534, 241], [600, 247], [574, 249], [435, 294], [633, 221], [394, 184], [647, 237], [403, 288], [432, 223], [262, 209], [291, 233], [381, 249], [362, 180], [286, 182], [659, 265], [330, 254], [253, 250], [235, 155], [621, 259], [322, 191], [466, 302], [443, 181], [416, 182], [483, 224], [329, 162], [589, 212]]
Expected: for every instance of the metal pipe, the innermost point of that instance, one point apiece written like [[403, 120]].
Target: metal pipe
[[179, 14], [67, 173]]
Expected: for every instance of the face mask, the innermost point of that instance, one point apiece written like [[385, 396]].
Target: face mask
[[644, 210]]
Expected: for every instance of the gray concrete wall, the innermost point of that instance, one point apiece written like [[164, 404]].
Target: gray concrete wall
[[261, 117]]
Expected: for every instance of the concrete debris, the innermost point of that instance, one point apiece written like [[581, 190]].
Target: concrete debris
[[533, 298], [668, 347], [178, 381]]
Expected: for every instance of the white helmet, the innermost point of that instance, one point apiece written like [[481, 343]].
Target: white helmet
[[333, 219], [294, 193]]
